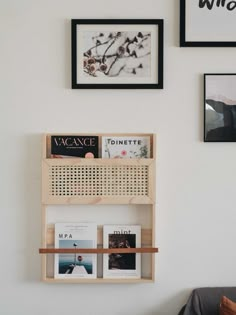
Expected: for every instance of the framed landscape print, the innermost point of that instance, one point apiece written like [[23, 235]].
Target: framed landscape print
[[117, 54], [220, 107], [207, 23]]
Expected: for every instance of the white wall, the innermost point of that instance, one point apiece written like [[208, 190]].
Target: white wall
[[195, 180]]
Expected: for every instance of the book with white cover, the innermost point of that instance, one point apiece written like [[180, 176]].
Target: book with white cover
[[126, 265], [75, 235], [126, 147]]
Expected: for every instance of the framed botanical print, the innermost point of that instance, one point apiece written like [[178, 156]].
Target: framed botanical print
[[117, 54], [220, 107], [207, 23]]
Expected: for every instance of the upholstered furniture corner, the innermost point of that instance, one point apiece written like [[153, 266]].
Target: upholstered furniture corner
[[206, 301]]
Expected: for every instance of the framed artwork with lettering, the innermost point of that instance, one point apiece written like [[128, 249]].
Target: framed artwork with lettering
[[117, 54], [207, 23], [220, 107]]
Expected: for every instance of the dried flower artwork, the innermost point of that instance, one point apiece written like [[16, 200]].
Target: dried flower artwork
[[117, 54]]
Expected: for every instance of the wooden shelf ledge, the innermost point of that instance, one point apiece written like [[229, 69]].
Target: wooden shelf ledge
[[97, 250], [97, 280]]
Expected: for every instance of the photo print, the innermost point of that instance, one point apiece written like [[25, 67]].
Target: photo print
[[220, 107], [122, 261], [75, 264], [117, 54]]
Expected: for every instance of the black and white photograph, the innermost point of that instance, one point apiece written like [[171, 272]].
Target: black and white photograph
[[220, 107], [207, 23], [117, 54], [122, 261]]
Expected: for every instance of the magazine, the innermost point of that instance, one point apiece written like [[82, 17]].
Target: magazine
[[75, 235], [74, 146], [122, 265], [126, 147]]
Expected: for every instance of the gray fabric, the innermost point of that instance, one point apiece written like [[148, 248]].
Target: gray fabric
[[206, 301]]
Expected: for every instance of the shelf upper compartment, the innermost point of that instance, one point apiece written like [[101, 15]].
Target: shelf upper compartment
[[47, 141], [98, 181]]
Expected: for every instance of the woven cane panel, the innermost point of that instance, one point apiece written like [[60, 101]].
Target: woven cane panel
[[103, 180]]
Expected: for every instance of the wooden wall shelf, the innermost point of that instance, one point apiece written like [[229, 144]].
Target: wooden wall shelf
[[99, 181]]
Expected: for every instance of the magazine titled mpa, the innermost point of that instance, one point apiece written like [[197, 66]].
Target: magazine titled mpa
[[75, 235], [120, 265]]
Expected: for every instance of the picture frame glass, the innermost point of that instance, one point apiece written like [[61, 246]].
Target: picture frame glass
[[220, 108], [102, 44]]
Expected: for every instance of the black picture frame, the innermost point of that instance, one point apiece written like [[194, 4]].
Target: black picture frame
[[186, 42], [220, 107], [77, 83]]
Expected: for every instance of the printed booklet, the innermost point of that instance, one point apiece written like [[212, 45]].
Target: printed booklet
[[122, 265], [126, 147], [74, 146], [75, 235]]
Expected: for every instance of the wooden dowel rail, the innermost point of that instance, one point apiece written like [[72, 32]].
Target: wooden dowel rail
[[97, 250]]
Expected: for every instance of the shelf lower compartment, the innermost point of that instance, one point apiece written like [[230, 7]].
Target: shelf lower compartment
[[147, 268], [147, 251]]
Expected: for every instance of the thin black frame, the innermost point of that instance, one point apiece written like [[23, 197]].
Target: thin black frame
[[204, 104], [158, 22], [184, 43]]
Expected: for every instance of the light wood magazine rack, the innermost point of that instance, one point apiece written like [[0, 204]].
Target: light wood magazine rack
[[101, 181]]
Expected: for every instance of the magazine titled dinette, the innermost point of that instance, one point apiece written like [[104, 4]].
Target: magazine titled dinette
[[120, 265], [126, 147], [75, 235]]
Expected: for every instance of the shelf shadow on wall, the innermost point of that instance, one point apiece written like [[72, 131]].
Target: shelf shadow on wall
[[31, 190]]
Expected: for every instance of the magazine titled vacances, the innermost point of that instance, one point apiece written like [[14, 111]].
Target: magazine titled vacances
[[122, 265], [74, 146], [75, 235]]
